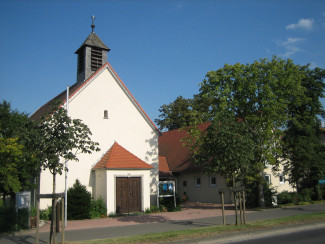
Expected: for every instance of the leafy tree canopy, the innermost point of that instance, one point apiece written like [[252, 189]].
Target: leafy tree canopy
[[303, 146], [63, 139], [177, 114], [269, 96], [19, 159], [226, 147]]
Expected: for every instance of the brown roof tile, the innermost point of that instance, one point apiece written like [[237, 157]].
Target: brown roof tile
[[118, 157], [172, 148]]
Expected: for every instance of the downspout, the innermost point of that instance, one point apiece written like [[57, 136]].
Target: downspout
[[66, 173]]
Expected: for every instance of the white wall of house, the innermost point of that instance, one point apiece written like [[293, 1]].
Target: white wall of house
[[206, 191], [99, 189], [277, 180], [125, 124]]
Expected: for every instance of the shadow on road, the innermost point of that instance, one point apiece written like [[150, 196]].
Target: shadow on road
[[143, 219]]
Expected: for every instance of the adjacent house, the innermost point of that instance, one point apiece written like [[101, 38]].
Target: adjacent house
[[125, 172], [199, 187], [190, 179]]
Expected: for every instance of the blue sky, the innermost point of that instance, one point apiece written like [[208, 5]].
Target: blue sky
[[160, 49]]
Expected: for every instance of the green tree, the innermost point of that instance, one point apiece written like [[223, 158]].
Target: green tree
[[225, 147], [17, 130], [177, 114], [63, 139], [260, 94], [303, 146], [10, 155]]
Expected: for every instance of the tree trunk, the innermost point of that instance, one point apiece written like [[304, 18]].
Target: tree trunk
[[318, 193], [235, 198], [52, 236], [37, 207], [261, 200]]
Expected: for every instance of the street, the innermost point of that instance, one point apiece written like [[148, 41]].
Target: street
[[311, 233]]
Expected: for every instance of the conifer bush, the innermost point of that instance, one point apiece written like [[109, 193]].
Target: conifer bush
[[79, 202]]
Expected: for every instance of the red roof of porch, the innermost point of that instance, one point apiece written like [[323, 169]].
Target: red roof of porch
[[117, 157]]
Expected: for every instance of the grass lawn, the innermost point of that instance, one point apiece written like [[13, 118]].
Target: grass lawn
[[212, 231]]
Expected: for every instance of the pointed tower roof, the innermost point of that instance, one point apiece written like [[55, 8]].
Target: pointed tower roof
[[93, 41], [118, 157]]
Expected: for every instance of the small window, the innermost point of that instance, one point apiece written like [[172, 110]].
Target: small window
[[213, 181], [197, 181], [105, 114], [267, 179], [282, 179], [184, 183]]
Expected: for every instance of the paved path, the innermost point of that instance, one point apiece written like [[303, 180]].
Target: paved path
[[192, 216]]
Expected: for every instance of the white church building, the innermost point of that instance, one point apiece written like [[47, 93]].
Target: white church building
[[125, 172]]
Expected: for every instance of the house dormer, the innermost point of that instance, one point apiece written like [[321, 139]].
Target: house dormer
[[92, 54]]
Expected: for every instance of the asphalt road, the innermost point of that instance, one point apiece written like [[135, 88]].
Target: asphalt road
[[110, 232], [302, 234]]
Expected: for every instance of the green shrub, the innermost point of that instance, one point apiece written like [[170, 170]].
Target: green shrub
[[11, 219], [8, 217], [251, 195], [307, 195], [154, 209], [23, 220], [98, 208], [304, 196], [167, 204], [33, 211], [284, 197], [79, 202], [45, 214]]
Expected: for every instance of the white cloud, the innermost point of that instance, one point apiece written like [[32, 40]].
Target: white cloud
[[291, 46], [304, 24]]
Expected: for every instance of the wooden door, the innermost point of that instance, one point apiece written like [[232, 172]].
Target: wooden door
[[128, 194]]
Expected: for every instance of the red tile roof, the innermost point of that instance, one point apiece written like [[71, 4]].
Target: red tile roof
[[164, 171], [163, 165], [118, 157], [178, 156]]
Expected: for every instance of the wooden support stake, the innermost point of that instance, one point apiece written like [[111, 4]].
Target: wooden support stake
[[58, 217], [241, 209], [244, 206], [236, 207], [54, 221], [223, 209], [37, 210], [62, 221]]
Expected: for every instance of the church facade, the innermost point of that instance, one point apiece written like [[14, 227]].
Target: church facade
[[125, 172]]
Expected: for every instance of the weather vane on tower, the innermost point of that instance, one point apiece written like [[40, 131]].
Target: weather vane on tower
[[93, 24]]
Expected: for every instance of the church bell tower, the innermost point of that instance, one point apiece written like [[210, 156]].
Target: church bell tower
[[92, 54]]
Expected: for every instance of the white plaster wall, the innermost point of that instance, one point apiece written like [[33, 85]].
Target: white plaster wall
[[124, 125], [205, 192], [100, 185], [275, 180], [111, 187]]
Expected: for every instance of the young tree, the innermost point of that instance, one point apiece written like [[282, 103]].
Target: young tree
[[63, 139]]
